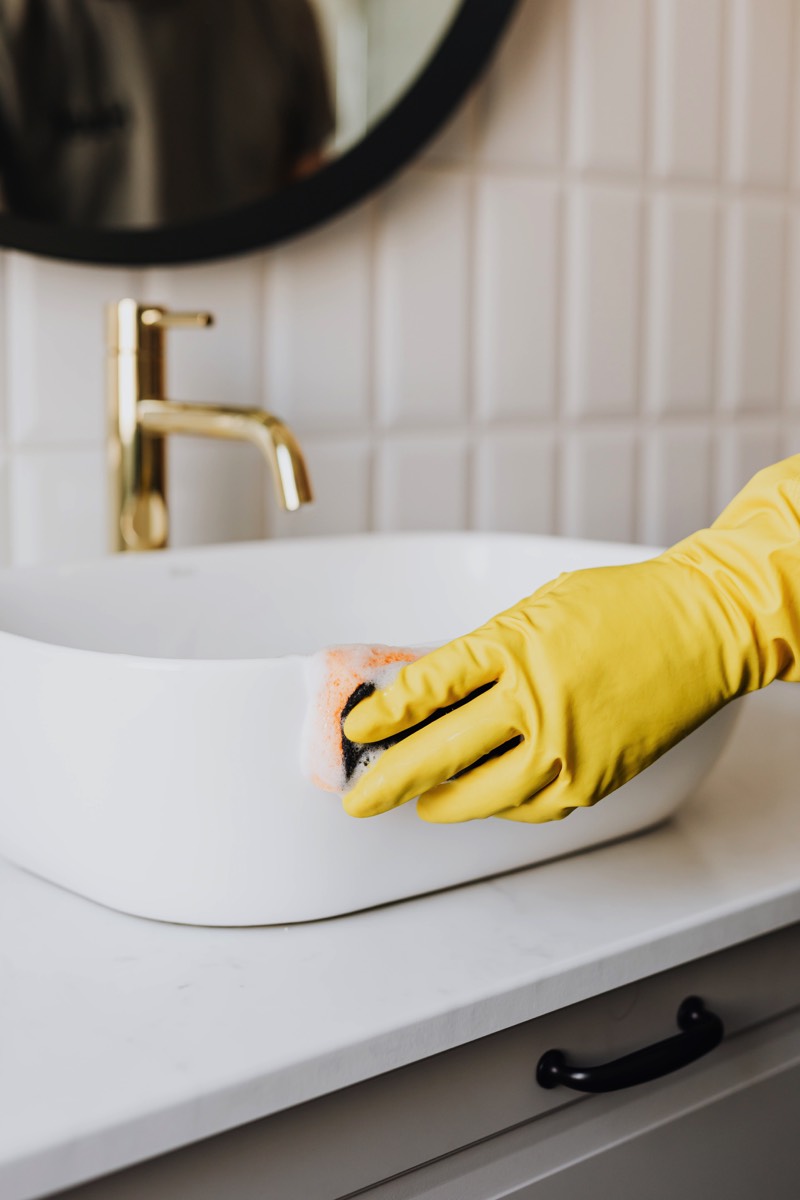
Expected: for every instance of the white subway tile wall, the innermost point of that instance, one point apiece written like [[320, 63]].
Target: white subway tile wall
[[760, 89], [422, 299], [217, 492], [55, 350], [603, 302], [516, 298], [792, 302], [341, 468], [5, 528], [687, 60], [578, 313], [520, 109], [607, 85], [682, 304], [317, 327], [754, 289], [54, 515], [421, 482], [515, 481], [598, 485], [742, 451], [676, 480], [3, 349]]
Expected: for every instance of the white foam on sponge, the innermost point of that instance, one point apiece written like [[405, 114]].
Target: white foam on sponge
[[332, 675]]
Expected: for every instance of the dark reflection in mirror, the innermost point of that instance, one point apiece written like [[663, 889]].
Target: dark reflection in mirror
[[118, 114], [150, 112]]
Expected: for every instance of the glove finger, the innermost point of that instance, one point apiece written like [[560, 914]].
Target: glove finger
[[549, 804], [493, 787], [432, 755], [436, 681]]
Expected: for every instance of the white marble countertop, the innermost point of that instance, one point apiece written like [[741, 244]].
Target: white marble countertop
[[122, 1038]]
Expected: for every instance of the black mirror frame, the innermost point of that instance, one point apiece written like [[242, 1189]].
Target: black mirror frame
[[419, 114]]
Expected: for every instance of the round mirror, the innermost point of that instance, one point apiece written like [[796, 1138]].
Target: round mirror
[[144, 131]]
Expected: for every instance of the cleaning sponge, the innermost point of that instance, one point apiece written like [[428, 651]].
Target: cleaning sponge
[[338, 678]]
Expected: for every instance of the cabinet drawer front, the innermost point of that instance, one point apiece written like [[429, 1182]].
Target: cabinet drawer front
[[726, 1128], [352, 1139]]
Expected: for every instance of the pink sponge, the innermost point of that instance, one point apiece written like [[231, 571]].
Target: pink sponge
[[338, 678]]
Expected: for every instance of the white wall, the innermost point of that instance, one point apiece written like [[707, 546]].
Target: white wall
[[578, 313]]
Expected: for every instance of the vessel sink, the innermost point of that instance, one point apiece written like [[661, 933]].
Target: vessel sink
[[151, 717]]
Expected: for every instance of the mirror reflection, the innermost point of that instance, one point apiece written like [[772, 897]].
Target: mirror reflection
[[142, 113]]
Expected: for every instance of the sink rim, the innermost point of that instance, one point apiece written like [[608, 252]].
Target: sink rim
[[141, 563]]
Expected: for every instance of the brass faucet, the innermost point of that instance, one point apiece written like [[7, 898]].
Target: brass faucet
[[141, 417]]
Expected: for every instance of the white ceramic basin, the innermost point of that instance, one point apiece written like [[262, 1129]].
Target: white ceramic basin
[[151, 710]]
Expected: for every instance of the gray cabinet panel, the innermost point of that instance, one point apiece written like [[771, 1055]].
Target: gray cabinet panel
[[726, 1127], [384, 1127], [743, 1146]]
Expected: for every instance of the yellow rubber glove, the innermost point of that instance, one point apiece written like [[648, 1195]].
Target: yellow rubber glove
[[597, 673]]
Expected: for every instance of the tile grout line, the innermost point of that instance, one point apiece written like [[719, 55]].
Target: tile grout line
[[643, 311], [563, 270], [373, 442], [788, 283], [560, 269], [471, 330], [5, 308], [262, 397], [723, 313]]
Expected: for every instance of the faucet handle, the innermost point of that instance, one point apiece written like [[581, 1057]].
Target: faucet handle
[[160, 318]]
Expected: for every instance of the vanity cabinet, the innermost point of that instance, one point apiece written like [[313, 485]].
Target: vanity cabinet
[[473, 1124], [729, 1129]]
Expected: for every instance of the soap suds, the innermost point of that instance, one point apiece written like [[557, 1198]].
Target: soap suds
[[338, 678]]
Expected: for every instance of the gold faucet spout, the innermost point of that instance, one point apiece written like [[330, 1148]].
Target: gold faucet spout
[[275, 441]]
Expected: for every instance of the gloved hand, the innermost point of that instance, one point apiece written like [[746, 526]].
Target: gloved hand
[[597, 673]]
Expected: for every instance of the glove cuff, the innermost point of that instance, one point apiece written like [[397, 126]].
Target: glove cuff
[[750, 562]]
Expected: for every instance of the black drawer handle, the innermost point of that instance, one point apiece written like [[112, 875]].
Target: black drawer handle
[[701, 1031]]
